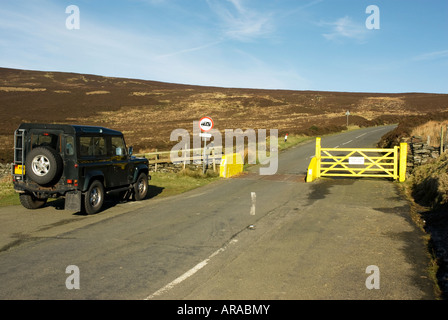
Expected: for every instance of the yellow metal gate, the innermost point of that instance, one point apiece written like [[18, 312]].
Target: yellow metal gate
[[358, 162]]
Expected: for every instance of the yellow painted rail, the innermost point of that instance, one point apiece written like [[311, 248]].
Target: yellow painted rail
[[358, 162]]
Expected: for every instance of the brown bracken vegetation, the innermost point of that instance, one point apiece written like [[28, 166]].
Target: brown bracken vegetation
[[148, 111]]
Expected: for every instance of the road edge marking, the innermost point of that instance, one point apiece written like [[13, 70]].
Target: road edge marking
[[189, 273]]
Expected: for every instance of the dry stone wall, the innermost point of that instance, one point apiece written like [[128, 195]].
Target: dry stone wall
[[419, 152], [5, 170]]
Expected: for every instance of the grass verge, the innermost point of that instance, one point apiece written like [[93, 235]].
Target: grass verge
[[427, 190], [8, 197], [170, 184], [417, 215]]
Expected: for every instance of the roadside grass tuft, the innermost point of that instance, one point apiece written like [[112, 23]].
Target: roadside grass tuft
[[292, 140], [427, 190], [432, 130], [429, 183], [169, 184], [8, 197]]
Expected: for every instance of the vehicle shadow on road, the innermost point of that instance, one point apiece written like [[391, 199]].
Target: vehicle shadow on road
[[110, 201]]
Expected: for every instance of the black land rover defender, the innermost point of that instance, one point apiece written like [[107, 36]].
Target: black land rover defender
[[80, 163]]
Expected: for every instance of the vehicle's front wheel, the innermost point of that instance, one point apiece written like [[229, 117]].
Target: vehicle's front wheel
[[94, 198], [141, 187], [29, 201]]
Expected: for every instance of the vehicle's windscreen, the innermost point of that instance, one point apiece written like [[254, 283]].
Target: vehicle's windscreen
[[118, 146]]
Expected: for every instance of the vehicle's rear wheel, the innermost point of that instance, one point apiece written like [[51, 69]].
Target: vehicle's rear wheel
[[141, 187], [43, 165], [94, 198], [29, 201]]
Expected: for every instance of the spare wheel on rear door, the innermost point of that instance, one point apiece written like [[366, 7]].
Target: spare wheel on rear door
[[43, 165]]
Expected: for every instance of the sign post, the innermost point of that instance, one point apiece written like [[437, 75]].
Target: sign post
[[205, 124], [347, 114]]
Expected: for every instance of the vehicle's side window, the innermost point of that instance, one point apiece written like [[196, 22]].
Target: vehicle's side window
[[69, 145], [90, 146], [118, 146]]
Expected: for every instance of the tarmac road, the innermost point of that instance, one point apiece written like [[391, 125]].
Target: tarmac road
[[308, 241]]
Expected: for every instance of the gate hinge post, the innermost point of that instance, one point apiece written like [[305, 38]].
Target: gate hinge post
[[318, 155], [403, 161]]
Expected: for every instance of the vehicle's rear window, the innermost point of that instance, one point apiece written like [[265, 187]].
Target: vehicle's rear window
[[45, 140]]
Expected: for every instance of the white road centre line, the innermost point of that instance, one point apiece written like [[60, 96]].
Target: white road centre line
[[361, 135], [253, 197], [380, 129], [189, 273]]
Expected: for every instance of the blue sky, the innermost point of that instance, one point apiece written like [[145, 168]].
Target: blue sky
[[275, 44]]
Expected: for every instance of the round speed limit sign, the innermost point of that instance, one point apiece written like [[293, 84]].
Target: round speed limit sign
[[206, 124]]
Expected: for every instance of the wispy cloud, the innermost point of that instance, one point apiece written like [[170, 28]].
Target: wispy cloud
[[188, 50], [344, 28], [432, 55], [240, 22]]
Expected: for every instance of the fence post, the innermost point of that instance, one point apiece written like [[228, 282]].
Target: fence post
[[214, 160], [318, 154], [157, 158], [403, 161], [441, 140]]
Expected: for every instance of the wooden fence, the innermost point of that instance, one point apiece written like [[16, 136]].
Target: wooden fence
[[213, 155]]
